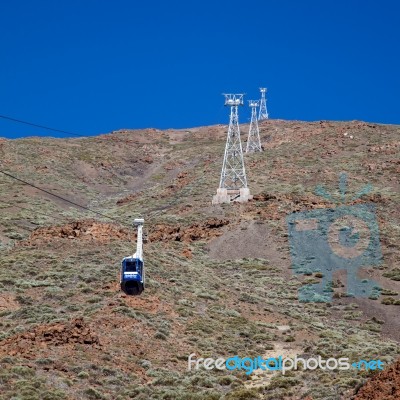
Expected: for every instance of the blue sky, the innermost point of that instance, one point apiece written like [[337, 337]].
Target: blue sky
[[93, 66]]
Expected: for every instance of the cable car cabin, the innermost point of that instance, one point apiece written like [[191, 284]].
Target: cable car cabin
[[132, 276], [132, 268]]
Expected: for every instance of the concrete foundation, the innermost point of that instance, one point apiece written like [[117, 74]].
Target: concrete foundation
[[228, 195]]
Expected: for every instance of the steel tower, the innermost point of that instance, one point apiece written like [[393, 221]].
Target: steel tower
[[233, 182], [263, 114], [253, 140], [233, 175]]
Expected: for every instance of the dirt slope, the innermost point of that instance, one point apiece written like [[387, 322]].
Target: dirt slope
[[220, 278], [383, 386]]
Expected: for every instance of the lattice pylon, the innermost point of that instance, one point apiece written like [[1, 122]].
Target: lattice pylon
[[233, 174], [253, 140], [233, 182], [263, 114]]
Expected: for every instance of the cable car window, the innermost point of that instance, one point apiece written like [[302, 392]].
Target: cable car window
[[130, 266]]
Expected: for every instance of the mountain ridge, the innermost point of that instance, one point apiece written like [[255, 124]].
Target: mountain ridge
[[214, 288]]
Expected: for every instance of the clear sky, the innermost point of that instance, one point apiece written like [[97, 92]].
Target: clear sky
[[93, 66]]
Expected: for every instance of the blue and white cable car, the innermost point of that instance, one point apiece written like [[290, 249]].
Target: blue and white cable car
[[132, 269]]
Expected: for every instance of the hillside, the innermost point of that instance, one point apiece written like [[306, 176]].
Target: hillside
[[219, 278]]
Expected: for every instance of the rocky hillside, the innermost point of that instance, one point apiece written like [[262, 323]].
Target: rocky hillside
[[220, 278]]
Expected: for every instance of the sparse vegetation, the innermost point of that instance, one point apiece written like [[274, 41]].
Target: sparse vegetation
[[203, 295]]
